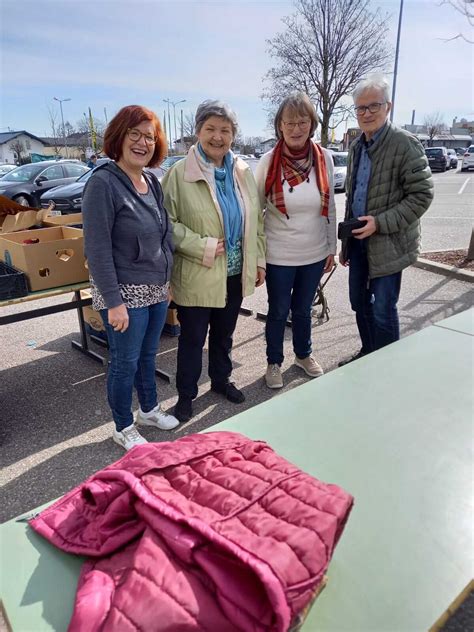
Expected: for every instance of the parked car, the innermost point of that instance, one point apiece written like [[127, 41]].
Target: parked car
[[340, 170], [460, 151], [26, 184], [168, 162], [67, 198], [467, 159], [5, 168], [453, 159], [438, 158]]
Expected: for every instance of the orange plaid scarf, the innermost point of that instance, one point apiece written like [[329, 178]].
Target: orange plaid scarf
[[296, 169]]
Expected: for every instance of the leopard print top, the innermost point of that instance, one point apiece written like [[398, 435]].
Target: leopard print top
[[132, 295]]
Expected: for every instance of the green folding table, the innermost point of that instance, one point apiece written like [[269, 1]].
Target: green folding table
[[395, 429]]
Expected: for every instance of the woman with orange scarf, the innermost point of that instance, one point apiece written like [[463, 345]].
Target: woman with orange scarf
[[295, 182]]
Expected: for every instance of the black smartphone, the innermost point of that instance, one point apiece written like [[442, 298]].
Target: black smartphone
[[344, 229]]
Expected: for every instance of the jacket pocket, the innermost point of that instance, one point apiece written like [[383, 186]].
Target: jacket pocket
[[149, 247]]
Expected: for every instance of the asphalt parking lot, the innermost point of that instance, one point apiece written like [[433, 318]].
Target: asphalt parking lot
[[55, 423]]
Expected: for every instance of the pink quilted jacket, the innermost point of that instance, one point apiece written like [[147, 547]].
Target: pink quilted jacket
[[212, 532]]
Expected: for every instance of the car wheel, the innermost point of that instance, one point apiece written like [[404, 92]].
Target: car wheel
[[463, 169], [443, 169], [21, 199]]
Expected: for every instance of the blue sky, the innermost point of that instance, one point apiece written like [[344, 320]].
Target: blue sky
[[109, 53]]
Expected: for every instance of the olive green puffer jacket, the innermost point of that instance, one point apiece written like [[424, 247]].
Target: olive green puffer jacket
[[400, 191]]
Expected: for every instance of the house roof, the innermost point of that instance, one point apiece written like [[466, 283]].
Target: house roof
[[7, 136]]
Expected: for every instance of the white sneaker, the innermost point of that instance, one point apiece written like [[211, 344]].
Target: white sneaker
[[156, 418], [273, 376], [309, 366], [128, 437]]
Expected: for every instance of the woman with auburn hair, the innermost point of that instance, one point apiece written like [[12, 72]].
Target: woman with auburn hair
[[128, 245], [295, 182]]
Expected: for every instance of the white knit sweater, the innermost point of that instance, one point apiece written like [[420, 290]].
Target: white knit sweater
[[306, 237]]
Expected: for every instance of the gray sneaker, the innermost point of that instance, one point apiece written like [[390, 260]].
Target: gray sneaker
[[273, 377], [128, 437], [157, 418], [309, 366]]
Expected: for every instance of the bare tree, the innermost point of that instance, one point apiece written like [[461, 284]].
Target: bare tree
[[466, 8], [434, 125], [326, 48], [18, 149], [189, 126], [55, 131]]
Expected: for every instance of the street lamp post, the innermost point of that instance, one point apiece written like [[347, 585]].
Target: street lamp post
[[174, 104], [167, 101], [174, 115], [395, 70], [61, 101]]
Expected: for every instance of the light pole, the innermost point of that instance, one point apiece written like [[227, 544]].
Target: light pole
[[61, 101], [395, 70], [174, 114], [174, 104], [169, 122]]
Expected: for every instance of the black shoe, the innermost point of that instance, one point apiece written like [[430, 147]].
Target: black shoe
[[358, 355], [183, 411], [229, 391]]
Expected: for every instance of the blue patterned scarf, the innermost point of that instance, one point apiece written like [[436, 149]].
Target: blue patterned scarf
[[227, 198]]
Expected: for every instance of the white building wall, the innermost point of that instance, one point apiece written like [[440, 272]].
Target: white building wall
[[31, 146]]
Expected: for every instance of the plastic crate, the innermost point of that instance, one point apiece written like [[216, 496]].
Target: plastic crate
[[13, 283]]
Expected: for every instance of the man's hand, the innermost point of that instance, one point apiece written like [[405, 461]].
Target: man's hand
[[329, 264], [118, 318], [367, 230], [260, 280], [220, 248]]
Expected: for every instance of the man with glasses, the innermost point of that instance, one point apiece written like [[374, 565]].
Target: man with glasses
[[389, 187]]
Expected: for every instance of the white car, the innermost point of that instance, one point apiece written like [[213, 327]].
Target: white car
[[468, 159], [340, 170]]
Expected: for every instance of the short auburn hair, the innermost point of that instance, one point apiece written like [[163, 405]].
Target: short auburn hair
[[131, 116], [300, 104]]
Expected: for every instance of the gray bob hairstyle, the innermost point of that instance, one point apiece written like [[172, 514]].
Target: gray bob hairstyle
[[215, 108], [297, 103], [376, 81]]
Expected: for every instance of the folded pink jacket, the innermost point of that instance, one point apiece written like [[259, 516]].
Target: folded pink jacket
[[210, 532]]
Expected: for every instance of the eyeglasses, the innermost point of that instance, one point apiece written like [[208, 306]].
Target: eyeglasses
[[373, 108], [290, 125], [135, 135]]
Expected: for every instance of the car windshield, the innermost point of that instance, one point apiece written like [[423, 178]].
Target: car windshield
[[25, 173], [85, 176], [340, 160], [433, 151], [169, 162]]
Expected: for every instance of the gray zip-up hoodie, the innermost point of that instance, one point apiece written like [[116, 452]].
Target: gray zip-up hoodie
[[125, 239]]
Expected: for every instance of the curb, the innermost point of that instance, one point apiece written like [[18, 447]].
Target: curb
[[442, 268]]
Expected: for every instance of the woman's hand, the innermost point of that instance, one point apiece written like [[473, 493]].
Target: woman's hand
[[328, 266], [220, 248], [118, 318], [260, 280]]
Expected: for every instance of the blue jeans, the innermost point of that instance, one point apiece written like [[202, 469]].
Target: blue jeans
[[290, 287], [374, 301], [132, 361]]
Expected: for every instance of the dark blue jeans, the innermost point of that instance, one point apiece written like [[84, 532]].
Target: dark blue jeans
[[374, 301], [290, 287], [132, 361]]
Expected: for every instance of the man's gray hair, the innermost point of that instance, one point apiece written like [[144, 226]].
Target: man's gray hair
[[215, 108], [377, 81]]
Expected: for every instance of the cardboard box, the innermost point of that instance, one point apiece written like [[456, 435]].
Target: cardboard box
[[22, 220], [62, 220], [92, 318], [58, 258]]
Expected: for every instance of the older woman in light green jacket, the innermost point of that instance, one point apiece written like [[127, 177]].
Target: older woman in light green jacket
[[219, 258]]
